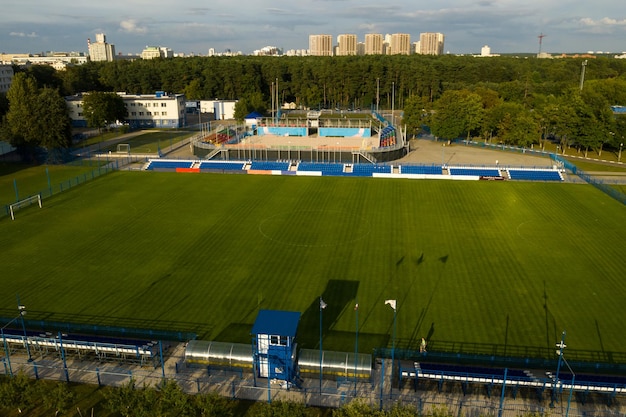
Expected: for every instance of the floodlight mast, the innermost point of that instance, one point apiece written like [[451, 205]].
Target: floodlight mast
[[559, 352]]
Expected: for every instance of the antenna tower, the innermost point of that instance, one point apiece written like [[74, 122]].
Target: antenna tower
[[541, 36]]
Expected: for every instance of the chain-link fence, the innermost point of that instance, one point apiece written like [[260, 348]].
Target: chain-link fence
[[425, 397]]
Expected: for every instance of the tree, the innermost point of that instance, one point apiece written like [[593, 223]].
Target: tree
[[357, 408], [281, 409], [36, 117], [173, 401], [416, 113], [214, 405], [101, 109], [19, 393], [457, 113], [58, 398], [54, 125], [21, 122]]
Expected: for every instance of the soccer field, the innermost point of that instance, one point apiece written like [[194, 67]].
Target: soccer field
[[502, 263]]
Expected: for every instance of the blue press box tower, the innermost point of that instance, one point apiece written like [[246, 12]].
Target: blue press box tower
[[274, 332]]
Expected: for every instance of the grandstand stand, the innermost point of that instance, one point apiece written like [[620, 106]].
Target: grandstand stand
[[535, 174], [387, 136]]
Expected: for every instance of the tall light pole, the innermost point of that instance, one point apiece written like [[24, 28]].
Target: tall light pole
[[6, 348], [559, 352], [619, 155], [571, 388], [393, 102], [582, 74], [392, 304], [323, 305], [377, 93], [356, 346]]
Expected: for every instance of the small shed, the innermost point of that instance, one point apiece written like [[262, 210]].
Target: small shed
[[274, 346], [252, 119]]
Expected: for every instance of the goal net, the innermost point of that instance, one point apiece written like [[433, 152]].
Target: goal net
[[33, 199], [123, 148]]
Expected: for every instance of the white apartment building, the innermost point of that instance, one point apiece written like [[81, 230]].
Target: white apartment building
[[6, 76], [374, 44], [159, 110], [100, 50], [151, 52], [346, 45], [431, 43], [320, 45]]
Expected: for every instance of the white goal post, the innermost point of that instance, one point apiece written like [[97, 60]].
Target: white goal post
[[23, 203], [123, 148]]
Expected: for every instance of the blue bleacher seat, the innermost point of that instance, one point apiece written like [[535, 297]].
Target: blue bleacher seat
[[269, 166], [366, 170], [222, 166], [481, 172], [324, 168], [421, 169], [154, 164], [535, 175]]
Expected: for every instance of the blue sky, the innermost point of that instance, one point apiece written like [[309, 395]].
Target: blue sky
[[195, 26]]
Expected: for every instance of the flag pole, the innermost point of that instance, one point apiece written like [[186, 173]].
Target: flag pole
[[356, 347], [322, 305], [393, 352]]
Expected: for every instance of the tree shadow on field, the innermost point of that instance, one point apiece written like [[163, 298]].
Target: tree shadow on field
[[338, 295], [550, 320], [415, 339], [236, 333]]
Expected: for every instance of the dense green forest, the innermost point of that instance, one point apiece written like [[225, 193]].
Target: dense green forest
[[514, 100], [339, 81]]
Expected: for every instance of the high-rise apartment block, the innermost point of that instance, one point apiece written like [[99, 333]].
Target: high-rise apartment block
[[346, 45], [431, 43], [100, 50], [400, 44], [321, 45], [6, 76], [373, 44]]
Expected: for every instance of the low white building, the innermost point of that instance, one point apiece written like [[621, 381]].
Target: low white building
[[222, 109], [158, 110]]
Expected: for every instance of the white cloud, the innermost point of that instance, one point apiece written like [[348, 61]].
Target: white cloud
[[605, 21], [24, 35], [130, 26]]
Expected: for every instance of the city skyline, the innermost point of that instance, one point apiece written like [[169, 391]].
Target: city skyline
[[247, 25]]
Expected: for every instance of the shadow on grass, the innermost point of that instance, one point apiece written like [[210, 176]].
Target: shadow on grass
[[338, 295], [101, 324]]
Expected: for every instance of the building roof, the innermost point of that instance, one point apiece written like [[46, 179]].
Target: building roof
[[253, 115], [276, 322]]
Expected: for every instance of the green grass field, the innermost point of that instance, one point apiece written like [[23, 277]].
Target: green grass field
[[496, 263], [151, 142], [30, 180]]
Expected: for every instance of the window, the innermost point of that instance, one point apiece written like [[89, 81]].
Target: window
[[149, 113], [133, 113], [163, 113], [141, 113], [278, 340]]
